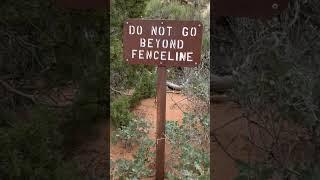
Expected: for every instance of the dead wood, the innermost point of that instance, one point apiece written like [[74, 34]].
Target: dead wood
[[15, 91], [174, 86]]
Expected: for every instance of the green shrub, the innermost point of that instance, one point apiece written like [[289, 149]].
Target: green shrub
[[138, 167], [157, 9], [120, 111], [123, 76], [276, 68], [145, 88], [191, 144], [122, 105], [131, 134]]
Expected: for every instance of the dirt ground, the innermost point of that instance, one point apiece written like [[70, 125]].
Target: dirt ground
[[232, 132], [223, 166], [92, 154], [175, 106]]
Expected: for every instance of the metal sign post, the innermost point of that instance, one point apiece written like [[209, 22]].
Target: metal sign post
[[161, 121], [165, 43]]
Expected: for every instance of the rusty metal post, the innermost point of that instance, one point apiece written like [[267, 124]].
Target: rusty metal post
[[161, 121]]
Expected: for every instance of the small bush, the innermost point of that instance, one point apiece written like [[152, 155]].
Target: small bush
[[171, 10], [276, 69], [190, 143], [120, 111], [137, 168], [131, 134], [145, 88]]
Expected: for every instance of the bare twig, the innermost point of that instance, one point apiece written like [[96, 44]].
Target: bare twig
[[15, 91], [233, 139], [296, 15], [174, 92], [227, 123], [222, 147], [181, 100], [120, 92], [175, 103]]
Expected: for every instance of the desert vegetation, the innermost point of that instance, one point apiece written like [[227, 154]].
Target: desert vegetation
[[53, 75], [270, 69]]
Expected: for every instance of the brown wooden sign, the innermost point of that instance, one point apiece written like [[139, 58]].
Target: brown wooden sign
[[162, 42], [249, 8]]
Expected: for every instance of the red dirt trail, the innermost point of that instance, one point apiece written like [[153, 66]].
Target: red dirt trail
[[176, 104]]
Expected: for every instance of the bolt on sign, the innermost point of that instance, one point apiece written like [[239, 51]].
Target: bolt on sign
[[162, 42]]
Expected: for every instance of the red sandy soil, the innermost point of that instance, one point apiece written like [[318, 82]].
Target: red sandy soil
[[175, 106], [223, 166], [234, 139], [92, 154]]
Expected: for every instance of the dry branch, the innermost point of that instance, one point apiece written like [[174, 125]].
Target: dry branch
[[174, 86], [15, 91], [120, 92]]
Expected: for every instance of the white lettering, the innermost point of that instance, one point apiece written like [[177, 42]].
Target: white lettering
[[150, 43], [169, 30], [142, 42], [161, 31], [154, 55], [193, 31], [158, 43], [172, 44], [163, 55], [184, 31], [165, 43], [141, 54], [133, 53], [139, 30], [182, 56], [149, 55], [131, 29], [180, 44], [169, 57], [153, 30], [189, 56]]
